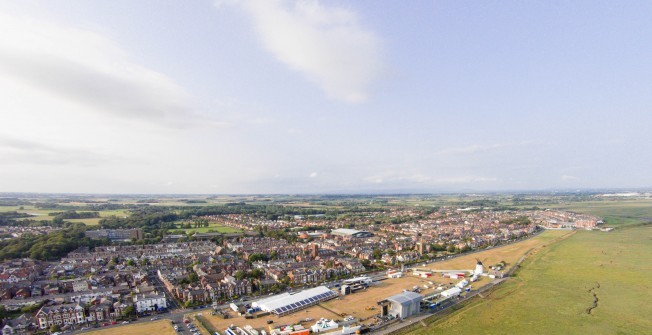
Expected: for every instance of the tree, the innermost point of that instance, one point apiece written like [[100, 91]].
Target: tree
[[131, 262], [258, 273], [239, 275], [377, 254], [129, 311], [55, 329], [193, 277]]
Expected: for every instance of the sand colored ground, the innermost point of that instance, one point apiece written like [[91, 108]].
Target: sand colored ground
[[509, 254], [161, 327]]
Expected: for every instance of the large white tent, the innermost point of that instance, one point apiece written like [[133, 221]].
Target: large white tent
[[286, 303]]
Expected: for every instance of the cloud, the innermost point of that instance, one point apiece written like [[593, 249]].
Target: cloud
[[18, 151], [471, 149], [421, 179], [85, 68], [325, 44], [568, 178], [313, 175]]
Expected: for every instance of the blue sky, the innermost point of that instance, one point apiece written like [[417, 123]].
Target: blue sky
[[252, 96]]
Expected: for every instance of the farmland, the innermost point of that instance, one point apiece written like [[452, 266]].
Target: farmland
[[553, 291], [43, 214]]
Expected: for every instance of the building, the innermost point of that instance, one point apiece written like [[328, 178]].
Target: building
[[116, 234], [402, 305], [351, 233], [61, 315], [18, 326], [149, 302], [287, 303]]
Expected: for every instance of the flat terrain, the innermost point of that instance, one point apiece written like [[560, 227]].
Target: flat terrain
[[553, 292], [42, 214], [211, 228], [509, 254], [356, 304], [615, 212], [161, 327]]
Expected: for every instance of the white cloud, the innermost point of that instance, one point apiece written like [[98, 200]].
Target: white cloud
[[313, 175], [426, 180], [568, 178], [87, 69], [326, 44], [471, 149]]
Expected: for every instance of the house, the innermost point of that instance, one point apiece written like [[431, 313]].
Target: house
[[60, 315], [18, 326], [149, 302]]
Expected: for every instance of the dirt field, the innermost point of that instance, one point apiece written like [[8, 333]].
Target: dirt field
[[354, 304], [509, 254], [161, 327], [315, 312]]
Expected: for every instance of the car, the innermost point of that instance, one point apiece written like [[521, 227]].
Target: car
[[186, 321], [114, 322], [154, 319], [125, 322]]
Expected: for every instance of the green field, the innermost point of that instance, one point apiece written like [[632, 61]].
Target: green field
[[619, 212], [211, 228], [551, 293], [42, 214]]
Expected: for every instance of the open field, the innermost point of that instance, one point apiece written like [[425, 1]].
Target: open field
[[211, 228], [509, 254], [552, 293], [42, 214], [161, 327], [619, 212]]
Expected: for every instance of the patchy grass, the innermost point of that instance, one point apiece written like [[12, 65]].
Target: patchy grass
[[552, 292], [160, 327]]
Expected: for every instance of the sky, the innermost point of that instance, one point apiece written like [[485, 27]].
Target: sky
[[273, 96]]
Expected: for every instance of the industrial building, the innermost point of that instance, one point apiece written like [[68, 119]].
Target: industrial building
[[351, 233], [402, 305], [287, 303], [116, 234]]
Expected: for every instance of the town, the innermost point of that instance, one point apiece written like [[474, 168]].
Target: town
[[121, 279]]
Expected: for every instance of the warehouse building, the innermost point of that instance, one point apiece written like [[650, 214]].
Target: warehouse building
[[351, 233], [287, 303], [402, 305]]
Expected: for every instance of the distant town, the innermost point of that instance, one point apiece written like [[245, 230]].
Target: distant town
[[154, 260]]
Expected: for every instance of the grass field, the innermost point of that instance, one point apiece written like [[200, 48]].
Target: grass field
[[210, 228], [161, 327], [618, 212], [553, 290], [42, 214]]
